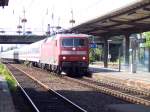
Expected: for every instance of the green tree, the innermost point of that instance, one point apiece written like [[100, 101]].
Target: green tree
[[147, 36], [95, 54]]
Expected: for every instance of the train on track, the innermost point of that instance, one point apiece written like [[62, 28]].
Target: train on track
[[60, 52]]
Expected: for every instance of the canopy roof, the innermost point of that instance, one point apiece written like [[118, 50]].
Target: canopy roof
[[134, 18], [4, 3]]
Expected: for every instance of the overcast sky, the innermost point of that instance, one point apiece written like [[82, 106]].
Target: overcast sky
[[39, 12]]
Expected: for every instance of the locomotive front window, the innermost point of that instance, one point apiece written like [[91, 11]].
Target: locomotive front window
[[79, 42], [67, 42], [73, 42]]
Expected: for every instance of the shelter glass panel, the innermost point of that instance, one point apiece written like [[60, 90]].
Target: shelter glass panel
[[142, 59]]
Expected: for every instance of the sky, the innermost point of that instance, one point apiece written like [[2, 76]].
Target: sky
[[39, 12]]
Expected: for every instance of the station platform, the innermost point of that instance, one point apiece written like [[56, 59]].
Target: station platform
[[6, 103], [128, 108], [140, 80]]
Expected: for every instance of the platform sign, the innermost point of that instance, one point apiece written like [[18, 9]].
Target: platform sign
[[93, 45]]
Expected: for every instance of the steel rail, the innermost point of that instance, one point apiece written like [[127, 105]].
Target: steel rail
[[120, 86], [24, 92], [118, 94], [49, 89]]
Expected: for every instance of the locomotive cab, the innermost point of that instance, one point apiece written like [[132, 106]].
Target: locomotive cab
[[74, 54]]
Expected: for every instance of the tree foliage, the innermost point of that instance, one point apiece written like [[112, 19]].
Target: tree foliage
[[95, 54], [147, 36]]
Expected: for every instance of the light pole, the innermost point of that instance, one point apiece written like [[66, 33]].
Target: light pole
[[108, 50], [24, 20], [19, 27], [72, 21]]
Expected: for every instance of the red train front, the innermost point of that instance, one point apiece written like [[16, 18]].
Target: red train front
[[66, 52]]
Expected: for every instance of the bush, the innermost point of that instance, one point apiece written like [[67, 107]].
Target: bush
[[11, 82]]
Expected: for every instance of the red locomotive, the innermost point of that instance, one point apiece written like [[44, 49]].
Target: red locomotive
[[57, 53]]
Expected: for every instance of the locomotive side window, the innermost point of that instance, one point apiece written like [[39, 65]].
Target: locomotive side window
[[73, 42]]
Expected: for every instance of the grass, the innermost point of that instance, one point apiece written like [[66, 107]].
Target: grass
[[7, 75]]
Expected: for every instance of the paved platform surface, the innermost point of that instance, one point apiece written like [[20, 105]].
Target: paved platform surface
[[128, 108], [6, 103], [140, 80]]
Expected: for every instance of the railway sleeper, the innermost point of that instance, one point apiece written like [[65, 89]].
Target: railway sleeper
[[124, 87]]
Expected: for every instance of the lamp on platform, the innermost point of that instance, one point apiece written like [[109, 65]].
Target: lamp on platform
[[109, 56]]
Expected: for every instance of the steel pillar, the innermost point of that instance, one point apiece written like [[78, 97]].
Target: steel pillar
[[126, 43], [105, 53]]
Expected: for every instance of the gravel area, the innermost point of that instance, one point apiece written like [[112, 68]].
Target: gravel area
[[85, 97]]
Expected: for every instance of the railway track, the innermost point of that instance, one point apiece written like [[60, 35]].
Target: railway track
[[118, 85], [40, 96], [123, 92]]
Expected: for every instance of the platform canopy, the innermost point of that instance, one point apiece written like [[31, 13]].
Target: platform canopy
[[134, 18], [3, 3]]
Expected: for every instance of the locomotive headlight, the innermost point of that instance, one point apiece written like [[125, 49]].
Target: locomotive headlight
[[73, 48], [64, 57], [83, 58]]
